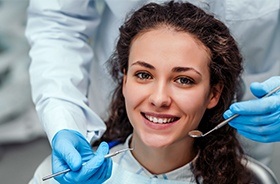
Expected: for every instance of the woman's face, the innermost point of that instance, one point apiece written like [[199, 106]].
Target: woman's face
[[167, 86]]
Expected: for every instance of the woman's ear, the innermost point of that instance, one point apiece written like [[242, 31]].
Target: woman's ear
[[215, 95]]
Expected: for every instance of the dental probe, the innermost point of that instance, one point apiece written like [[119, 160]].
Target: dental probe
[[67, 170], [197, 133]]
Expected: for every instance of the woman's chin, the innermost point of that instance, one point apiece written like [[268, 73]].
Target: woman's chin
[[156, 142]]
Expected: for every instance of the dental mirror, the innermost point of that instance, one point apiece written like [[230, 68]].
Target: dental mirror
[[197, 133]]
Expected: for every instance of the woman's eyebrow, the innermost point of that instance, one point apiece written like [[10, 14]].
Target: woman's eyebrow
[[175, 69], [144, 64], [184, 69]]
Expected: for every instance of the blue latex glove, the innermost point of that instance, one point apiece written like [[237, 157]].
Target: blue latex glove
[[71, 150], [258, 119]]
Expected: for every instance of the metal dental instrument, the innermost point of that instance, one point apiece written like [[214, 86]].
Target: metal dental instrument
[[67, 170], [197, 133]]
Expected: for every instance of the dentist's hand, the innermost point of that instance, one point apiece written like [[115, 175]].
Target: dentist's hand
[[71, 150], [258, 119]]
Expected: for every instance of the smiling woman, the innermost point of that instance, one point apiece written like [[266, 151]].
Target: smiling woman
[[176, 69], [163, 89]]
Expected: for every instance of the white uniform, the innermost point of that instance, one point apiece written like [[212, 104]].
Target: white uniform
[[62, 32]]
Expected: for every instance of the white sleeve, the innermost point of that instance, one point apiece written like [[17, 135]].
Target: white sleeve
[[59, 33], [256, 27]]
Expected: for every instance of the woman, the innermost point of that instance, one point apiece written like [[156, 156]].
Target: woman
[[176, 69]]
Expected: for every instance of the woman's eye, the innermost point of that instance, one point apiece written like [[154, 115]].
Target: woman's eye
[[184, 81], [143, 75]]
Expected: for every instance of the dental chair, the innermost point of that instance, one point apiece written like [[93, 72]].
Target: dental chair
[[261, 174]]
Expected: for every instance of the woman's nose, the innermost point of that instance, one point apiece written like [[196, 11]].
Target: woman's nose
[[160, 96]]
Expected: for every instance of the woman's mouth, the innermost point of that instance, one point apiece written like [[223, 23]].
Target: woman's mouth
[[162, 119]]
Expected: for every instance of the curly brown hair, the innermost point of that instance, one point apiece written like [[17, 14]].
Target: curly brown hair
[[220, 154]]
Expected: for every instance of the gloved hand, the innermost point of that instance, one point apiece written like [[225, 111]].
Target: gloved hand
[[72, 150], [258, 119]]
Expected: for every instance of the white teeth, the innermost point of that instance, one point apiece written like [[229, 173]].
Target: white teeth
[[159, 120], [155, 120]]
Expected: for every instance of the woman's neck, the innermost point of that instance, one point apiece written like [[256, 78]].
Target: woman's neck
[[165, 159]]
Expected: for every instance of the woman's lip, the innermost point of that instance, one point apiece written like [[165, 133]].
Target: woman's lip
[[159, 115], [159, 126]]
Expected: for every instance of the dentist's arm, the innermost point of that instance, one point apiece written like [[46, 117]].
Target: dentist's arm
[[59, 33]]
